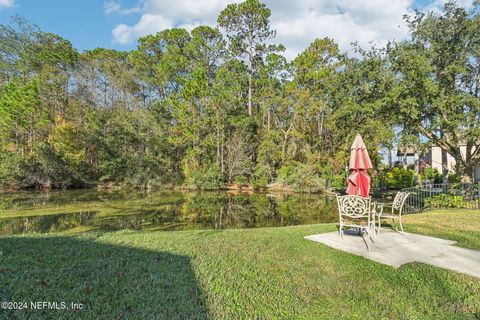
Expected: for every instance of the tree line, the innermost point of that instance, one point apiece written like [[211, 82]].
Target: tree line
[[222, 105]]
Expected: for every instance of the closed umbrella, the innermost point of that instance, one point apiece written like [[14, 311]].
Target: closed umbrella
[[359, 181]]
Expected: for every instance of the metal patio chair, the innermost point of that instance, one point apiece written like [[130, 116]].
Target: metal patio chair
[[395, 212], [356, 212]]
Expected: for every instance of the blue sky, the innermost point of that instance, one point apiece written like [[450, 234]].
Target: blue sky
[[82, 22], [118, 23]]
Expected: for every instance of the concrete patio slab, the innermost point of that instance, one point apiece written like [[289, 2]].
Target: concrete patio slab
[[394, 249]]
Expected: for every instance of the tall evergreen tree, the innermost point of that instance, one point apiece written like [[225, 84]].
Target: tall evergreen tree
[[247, 26]]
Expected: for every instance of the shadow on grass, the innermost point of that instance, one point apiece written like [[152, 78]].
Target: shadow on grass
[[110, 281]]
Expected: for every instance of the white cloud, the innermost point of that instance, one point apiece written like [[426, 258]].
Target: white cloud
[[160, 14], [346, 21], [149, 23], [114, 7], [297, 23], [111, 7], [437, 5], [6, 3]]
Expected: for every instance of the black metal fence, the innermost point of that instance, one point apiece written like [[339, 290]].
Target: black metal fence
[[442, 195]]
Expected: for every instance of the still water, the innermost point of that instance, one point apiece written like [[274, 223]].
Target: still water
[[91, 210]]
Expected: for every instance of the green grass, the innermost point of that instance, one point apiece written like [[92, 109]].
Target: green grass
[[269, 273], [462, 226]]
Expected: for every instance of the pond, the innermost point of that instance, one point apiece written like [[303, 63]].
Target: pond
[[92, 210]]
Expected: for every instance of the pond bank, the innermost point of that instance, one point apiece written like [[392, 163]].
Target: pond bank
[[272, 187]]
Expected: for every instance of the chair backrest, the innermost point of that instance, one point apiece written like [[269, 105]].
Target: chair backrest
[[354, 206], [399, 201]]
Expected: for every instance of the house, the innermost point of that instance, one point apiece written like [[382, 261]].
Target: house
[[410, 157], [407, 157], [434, 157]]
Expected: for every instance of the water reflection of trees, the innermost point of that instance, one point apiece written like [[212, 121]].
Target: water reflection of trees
[[32, 199], [224, 210], [46, 223], [177, 211]]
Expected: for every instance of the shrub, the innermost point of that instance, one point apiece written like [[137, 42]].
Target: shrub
[[454, 178], [240, 179], [431, 174], [302, 177], [285, 173], [8, 168], [445, 201], [336, 180], [379, 180], [398, 178], [206, 179], [261, 176]]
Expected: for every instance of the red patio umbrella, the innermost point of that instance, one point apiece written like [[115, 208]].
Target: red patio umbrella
[[359, 181]]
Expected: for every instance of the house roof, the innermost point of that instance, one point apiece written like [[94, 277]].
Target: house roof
[[408, 151]]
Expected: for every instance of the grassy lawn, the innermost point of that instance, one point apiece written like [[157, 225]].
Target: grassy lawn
[[462, 226], [233, 274]]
